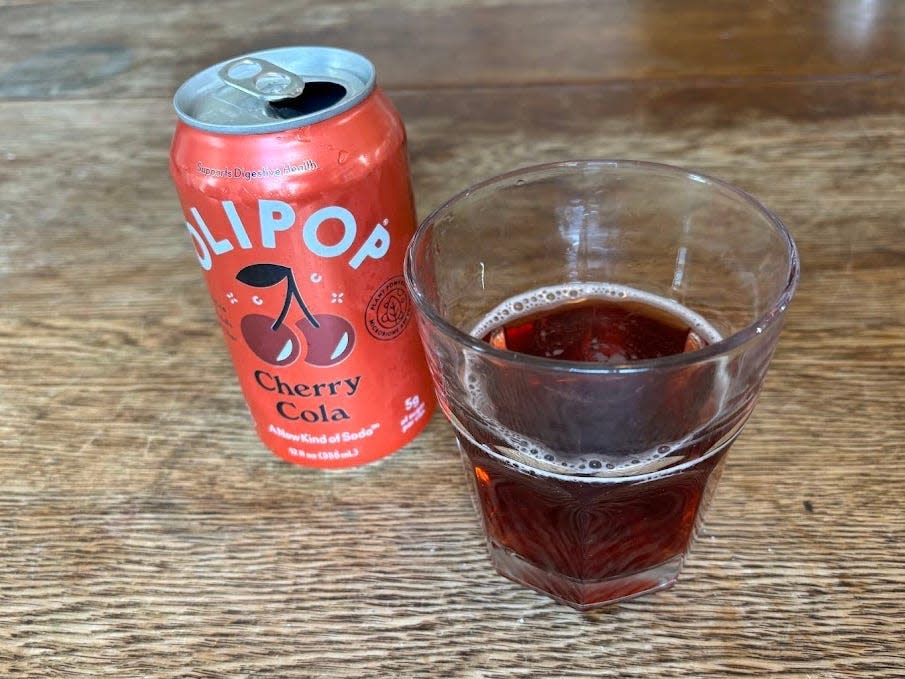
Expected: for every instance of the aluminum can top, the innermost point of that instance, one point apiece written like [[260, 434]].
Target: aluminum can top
[[274, 90]]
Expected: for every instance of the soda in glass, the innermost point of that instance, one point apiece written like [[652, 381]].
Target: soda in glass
[[598, 333]]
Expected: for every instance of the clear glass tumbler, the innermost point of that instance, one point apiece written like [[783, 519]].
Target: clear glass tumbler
[[591, 461]]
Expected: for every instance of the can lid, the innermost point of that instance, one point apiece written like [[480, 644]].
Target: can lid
[[274, 90]]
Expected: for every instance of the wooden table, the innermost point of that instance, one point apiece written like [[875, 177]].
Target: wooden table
[[146, 532]]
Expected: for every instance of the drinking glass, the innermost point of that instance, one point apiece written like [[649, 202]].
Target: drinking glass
[[590, 477]]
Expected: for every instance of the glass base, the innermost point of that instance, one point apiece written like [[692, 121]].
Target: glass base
[[585, 595]]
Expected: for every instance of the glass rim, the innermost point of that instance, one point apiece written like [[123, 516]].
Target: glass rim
[[724, 346]]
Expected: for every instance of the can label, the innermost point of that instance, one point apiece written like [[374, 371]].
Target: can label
[[308, 289]]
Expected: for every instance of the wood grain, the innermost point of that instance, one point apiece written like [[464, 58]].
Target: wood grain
[[146, 532], [96, 48]]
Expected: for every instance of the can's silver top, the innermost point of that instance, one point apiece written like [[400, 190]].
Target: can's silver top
[[274, 90]]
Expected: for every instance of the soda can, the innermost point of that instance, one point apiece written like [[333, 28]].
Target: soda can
[[291, 168]]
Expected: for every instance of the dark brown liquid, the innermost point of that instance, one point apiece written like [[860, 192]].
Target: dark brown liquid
[[584, 541], [590, 530], [599, 331]]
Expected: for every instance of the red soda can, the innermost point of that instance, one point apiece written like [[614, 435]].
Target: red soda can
[[291, 168]]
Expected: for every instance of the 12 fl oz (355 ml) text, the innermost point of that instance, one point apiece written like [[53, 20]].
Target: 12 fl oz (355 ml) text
[[334, 454]]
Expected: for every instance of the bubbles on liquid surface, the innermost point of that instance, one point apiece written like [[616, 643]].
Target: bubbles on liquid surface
[[535, 453], [542, 298]]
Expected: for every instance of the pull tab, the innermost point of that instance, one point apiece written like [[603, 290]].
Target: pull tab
[[262, 79]]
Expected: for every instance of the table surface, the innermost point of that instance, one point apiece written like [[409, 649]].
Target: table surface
[[146, 532]]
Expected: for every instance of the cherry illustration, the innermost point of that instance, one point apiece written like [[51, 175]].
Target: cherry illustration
[[329, 338], [330, 341], [276, 347]]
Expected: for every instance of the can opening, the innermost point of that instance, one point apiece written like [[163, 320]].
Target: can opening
[[318, 95], [274, 90]]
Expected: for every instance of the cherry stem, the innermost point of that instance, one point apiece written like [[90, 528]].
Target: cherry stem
[[292, 292], [277, 323], [303, 306]]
